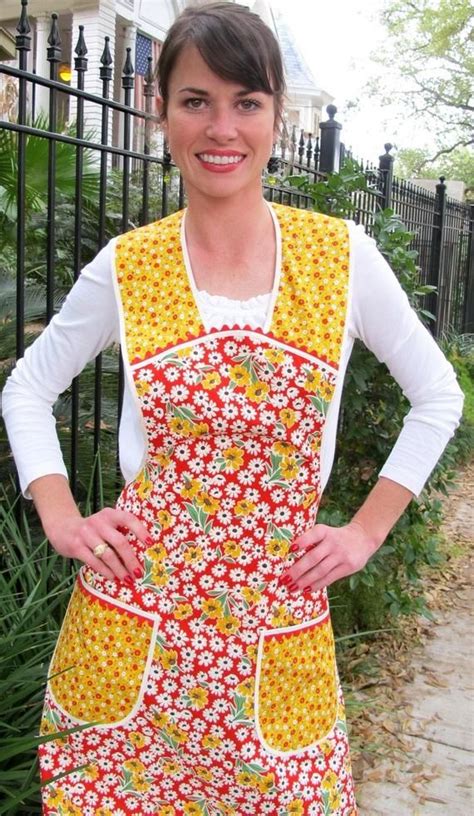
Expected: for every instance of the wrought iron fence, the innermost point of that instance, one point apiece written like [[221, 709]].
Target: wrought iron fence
[[49, 230]]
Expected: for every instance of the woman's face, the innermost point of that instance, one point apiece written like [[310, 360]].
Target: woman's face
[[220, 134]]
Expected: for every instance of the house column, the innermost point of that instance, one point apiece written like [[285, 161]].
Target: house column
[[98, 22], [43, 27]]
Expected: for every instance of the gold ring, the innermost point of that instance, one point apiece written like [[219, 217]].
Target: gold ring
[[100, 549]]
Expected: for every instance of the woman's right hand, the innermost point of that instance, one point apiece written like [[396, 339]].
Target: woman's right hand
[[77, 537]]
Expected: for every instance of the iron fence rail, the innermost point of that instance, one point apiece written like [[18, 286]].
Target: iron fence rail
[[138, 184]]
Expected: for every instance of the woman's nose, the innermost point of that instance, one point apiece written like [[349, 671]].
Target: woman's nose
[[221, 125]]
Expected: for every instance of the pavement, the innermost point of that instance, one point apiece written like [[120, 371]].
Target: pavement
[[436, 775]]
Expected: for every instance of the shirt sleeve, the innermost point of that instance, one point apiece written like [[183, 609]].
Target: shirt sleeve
[[86, 324], [383, 319]]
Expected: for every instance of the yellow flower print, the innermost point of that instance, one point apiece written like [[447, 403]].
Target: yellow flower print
[[329, 780], [176, 733], [183, 611], [159, 575], [233, 457], [162, 459], [191, 488], [281, 616], [326, 747], [288, 417], [266, 783], [252, 650], [144, 488], [156, 553], [55, 797], [91, 772], [239, 375], [244, 508], [212, 608], [274, 356], [295, 808], [47, 727], [166, 519], [245, 778], [309, 499], [210, 741], [228, 625], [192, 809], [198, 697], [166, 810], [278, 548], [180, 426], [334, 799], [142, 387], [232, 549], [200, 429], [137, 739], [283, 448], [193, 554], [289, 469], [313, 380], [168, 658], [211, 380], [203, 773], [257, 392], [160, 719], [134, 766], [140, 784], [170, 768], [251, 595], [104, 812], [246, 688], [207, 503], [184, 352]]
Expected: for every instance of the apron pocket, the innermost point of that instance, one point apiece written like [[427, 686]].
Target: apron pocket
[[99, 664], [296, 690]]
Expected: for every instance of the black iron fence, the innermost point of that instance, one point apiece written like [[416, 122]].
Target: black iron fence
[[67, 189]]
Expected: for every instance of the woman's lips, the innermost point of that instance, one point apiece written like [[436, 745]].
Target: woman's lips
[[220, 162]]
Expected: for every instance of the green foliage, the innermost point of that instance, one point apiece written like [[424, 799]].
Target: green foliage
[[334, 195], [34, 590], [429, 61]]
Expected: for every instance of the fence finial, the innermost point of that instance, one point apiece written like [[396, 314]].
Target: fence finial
[[106, 58], [149, 79], [80, 62], [23, 26], [330, 150], [128, 68], [54, 38]]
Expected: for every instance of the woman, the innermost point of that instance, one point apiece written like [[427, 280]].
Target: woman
[[198, 637]]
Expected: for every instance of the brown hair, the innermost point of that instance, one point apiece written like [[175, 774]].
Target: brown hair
[[234, 42]]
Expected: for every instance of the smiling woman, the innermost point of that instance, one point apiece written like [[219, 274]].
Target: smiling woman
[[197, 654]]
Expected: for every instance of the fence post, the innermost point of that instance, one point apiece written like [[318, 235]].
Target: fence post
[[468, 316], [386, 167], [330, 151], [434, 299]]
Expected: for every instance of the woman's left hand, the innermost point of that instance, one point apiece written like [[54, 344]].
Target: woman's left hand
[[327, 554]]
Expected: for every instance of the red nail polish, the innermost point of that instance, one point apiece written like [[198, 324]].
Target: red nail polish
[[285, 579], [294, 548], [138, 573], [128, 580], [149, 541]]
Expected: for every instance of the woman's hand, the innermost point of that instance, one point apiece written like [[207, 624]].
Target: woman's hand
[[327, 554], [78, 537]]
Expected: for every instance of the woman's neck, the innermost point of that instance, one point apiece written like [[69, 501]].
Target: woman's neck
[[222, 225]]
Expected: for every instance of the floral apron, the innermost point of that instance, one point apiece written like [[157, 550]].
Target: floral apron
[[212, 689]]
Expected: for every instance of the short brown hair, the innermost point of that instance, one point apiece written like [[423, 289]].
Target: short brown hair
[[234, 42]]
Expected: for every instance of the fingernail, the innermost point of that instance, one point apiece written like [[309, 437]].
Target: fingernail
[[308, 589], [292, 587], [285, 579], [294, 548], [149, 541], [128, 580], [138, 573]]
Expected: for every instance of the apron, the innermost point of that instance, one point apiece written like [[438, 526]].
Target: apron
[[213, 690]]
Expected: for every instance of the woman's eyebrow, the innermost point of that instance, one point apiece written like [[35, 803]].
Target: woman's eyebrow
[[201, 92]]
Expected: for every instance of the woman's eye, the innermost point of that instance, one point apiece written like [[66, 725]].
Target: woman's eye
[[195, 103], [249, 104]]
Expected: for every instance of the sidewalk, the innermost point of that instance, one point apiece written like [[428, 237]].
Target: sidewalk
[[432, 771]]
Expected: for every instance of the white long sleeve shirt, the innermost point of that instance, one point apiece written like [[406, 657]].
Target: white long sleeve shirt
[[378, 314]]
